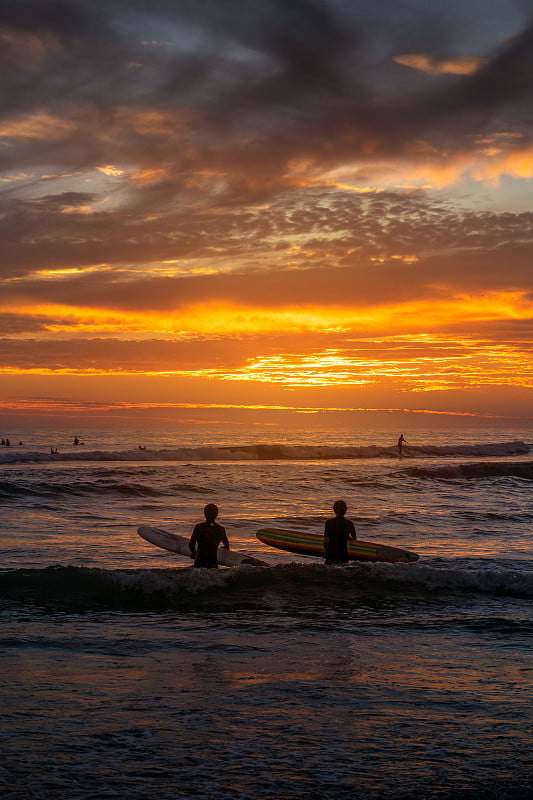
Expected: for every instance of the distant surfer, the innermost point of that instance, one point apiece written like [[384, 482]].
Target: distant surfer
[[76, 441], [401, 442], [337, 532], [206, 538]]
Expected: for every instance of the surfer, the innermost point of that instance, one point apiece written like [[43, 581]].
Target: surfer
[[337, 531], [206, 538], [401, 441]]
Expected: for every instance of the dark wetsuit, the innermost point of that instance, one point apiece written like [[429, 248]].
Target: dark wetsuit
[[207, 537], [338, 530]]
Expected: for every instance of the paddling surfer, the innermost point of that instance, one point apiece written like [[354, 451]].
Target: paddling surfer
[[337, 532], [206, 538]]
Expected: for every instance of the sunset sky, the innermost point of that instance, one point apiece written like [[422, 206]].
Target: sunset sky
[[275, 204]]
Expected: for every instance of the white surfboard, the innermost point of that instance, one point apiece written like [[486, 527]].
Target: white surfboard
[[180, 545]]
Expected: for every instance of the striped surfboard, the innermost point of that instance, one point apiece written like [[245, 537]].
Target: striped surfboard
[[312, 544]]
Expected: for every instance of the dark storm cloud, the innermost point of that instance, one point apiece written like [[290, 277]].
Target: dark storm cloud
[[64, 18], [292, 79]]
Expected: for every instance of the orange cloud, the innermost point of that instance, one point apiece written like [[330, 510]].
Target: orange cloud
[[110, 170], [215, 319], [421, 167], [37, 125], [147, 176], [461, 65], [427, 366], [516, 163]]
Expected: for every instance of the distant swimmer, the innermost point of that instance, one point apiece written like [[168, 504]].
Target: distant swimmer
[[337, 531], [206, 538], [401, 442]]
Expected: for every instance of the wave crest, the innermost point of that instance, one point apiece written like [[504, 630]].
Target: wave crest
[[266, 452], [289, 585]]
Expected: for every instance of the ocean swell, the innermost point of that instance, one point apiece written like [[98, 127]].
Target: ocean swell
[[263, 452], [293, 585], [520, 469], [18, 490]]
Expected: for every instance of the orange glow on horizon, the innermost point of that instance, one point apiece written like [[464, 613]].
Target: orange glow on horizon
[[62, 408]]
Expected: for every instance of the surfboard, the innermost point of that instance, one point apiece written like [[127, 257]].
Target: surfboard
[[312, 544], [180, 545]]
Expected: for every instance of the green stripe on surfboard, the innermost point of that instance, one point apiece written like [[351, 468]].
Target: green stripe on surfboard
[[312, 544]]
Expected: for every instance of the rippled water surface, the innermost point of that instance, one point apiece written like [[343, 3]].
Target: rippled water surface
[[127, 673]]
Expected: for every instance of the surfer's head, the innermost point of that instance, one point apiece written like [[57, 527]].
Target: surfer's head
[[340, 508], [211, 512]]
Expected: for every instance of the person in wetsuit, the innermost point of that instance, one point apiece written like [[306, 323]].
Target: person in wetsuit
[[337, 532], [206, 538]]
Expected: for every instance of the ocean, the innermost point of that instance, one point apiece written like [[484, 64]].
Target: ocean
[[126, 673]]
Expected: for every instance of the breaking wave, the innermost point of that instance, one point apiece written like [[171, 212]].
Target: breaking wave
[[282, 586], [265, 452]]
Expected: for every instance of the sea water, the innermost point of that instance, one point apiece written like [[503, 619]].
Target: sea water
[[128, 674]]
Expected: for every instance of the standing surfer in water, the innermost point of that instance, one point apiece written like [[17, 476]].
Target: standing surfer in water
[[337, 532], [401, 442], [206, 538]]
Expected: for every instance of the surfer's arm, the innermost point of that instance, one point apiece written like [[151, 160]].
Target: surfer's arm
[[224, 540], [326, 536], [192, 543]]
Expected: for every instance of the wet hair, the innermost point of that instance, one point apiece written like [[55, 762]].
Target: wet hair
[[211, 511], [340, 507]]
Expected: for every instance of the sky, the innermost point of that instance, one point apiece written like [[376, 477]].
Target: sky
[[209, 209]]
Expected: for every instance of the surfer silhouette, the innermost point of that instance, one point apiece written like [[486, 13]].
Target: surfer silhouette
[[206, 538], [337, 531], [401, 441]]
